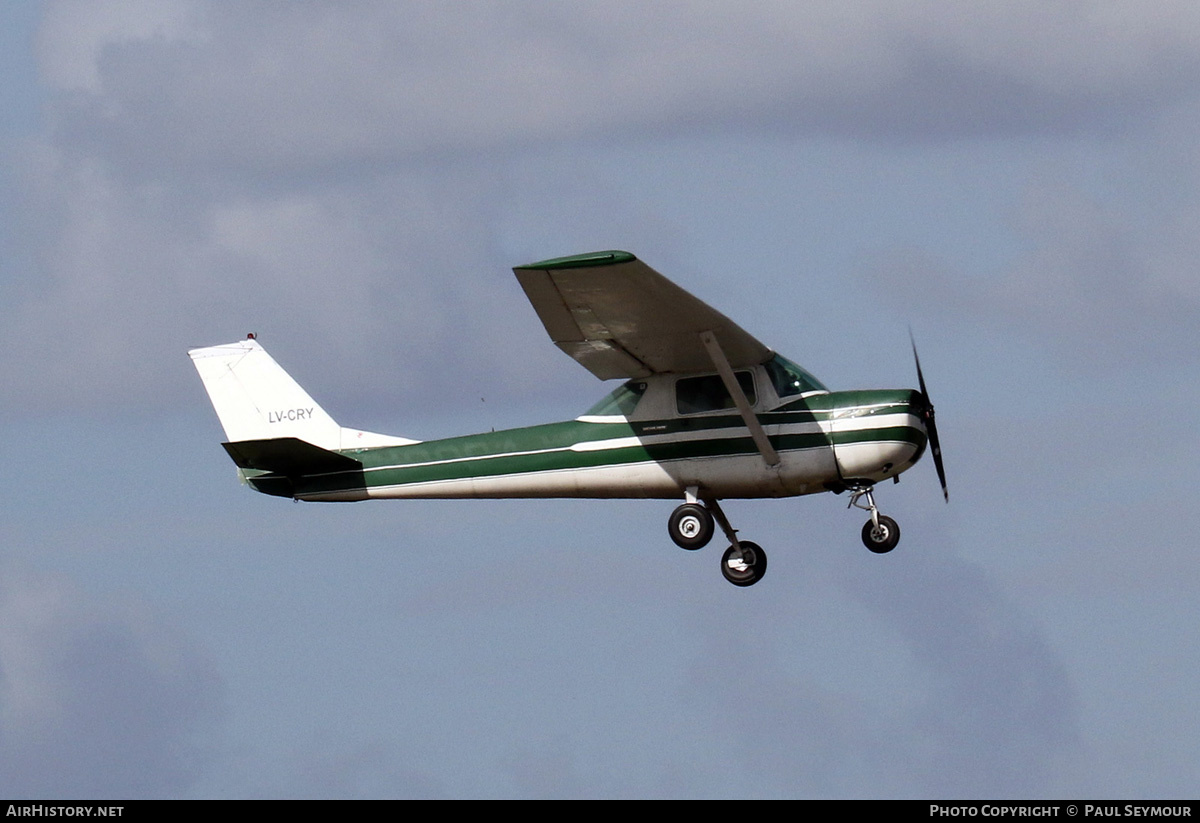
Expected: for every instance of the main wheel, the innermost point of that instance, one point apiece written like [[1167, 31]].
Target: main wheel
[[747, 569], [883, 539], [691, 526]]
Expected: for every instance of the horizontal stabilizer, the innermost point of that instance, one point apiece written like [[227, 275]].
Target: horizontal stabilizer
[[288, 455]]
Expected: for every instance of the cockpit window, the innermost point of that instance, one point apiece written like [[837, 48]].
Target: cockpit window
[[704, 394], [789, 379], [620, 401]]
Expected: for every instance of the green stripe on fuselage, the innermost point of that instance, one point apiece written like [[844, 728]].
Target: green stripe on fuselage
[[564, 446]]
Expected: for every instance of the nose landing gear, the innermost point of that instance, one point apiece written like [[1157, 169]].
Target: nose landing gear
[[881, 533]]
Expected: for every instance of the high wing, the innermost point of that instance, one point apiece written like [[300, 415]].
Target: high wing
[[620, 318]]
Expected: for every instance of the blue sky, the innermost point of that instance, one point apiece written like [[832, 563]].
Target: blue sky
[[354, 183]]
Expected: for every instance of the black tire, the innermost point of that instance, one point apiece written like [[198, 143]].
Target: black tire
[[884, 540], [756, 560], [691, 526]]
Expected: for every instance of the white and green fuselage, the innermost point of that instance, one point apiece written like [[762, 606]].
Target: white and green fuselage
[[822, 441], [651, 438]]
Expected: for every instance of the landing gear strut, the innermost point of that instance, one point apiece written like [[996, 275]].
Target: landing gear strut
[[691, 527], [880, 534]]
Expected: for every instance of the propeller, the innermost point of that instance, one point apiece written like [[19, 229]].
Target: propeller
[[935, 446]]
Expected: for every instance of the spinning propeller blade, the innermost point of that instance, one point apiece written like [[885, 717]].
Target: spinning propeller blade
[[927, 414]]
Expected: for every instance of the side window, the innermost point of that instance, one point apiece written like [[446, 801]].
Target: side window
[[694, 395]]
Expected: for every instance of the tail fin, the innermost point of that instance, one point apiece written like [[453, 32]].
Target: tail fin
[[256, 399]]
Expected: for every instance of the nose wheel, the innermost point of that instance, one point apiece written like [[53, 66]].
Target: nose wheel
[[881, 538], [881, 533]]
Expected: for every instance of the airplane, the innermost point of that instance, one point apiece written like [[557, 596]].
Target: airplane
[[705, 412]]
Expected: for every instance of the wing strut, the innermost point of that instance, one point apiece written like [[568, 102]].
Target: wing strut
[[739, 398]]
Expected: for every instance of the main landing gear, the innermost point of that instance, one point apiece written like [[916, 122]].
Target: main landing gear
[[693, 524], [691, 527], [880, 534]]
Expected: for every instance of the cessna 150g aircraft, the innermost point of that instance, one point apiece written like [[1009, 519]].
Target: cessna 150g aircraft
[[706, 412]]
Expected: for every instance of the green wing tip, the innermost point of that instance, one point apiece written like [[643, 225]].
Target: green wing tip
[[579, 261]]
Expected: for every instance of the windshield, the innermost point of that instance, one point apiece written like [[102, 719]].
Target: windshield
[[620, 401], [789, 379]]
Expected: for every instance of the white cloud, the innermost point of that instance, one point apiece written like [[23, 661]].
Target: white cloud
[[281, 86], [1092, 281], [321, 167], [76, 33], [95, 700]]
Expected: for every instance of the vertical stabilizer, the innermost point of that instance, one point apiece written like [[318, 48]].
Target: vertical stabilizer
[[257, 400]]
